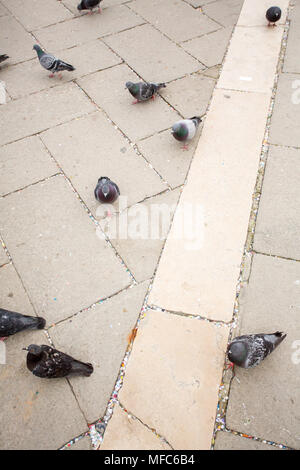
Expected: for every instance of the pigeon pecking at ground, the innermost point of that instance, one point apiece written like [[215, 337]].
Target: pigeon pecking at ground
[[249, 350], [143, 91], [185, 129], [49, 363], [106, 190], [273, 14], [51, 63], [89, 5], [13, 322], [3, 57]]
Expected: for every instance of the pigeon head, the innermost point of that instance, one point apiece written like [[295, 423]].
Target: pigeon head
[[79, 7], [237, 352], [34, 349], [38, 50]]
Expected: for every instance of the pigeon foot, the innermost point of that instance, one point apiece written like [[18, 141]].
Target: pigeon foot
[[230, 365], [3, 338], [135, 102], [51, 75], [99, 11], [185, 147]]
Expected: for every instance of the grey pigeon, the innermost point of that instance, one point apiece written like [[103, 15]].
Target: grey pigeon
[[49, 363], [13, 322], [89, 5], [106, 190], [50, 62], [3, 57], [143, 91], [185, 129], [249, 350], [273, 14]]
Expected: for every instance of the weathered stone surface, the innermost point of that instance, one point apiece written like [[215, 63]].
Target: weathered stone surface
[[291, 64], [225, 12], [55, 249], [270, 303], [229, 441], [107, 89], [15, 41], [164, 60], [179, 402], [278, 224], [51, 107], [134, 435], [100, 336], [91, 147], [32, 160]]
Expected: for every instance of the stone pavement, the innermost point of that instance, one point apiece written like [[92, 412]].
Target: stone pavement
[[265, 403], [57, 138]]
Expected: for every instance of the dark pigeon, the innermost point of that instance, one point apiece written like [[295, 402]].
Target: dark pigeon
[[3, 57], [249, 350], [106, 190], [144, 91], [273, 14], [185, 129], [89, 5], [13, 322], [51, 63], [49, 363]]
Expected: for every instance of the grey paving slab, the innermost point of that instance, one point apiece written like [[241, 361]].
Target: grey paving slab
[[167, 157], [176, 19], [225, 12], [107, 89], [31, 15], [190, 95], [3, 256], [40, 111], [32, 161], [210, 49], [84, 155], [15, 41], [39, 414], [278, 224], [291, 64], [164, 60], [147, 229], [3, 10], [264, 401], [229, 441], [101, 338], [87, 27], [64, 265], [213, 72], [286, 114], [86, 58]]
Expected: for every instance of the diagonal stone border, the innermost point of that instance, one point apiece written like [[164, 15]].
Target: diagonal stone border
[[200, 286]]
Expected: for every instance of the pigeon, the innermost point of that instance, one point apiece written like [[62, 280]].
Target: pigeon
[[273, 14], [249, 350], [49, 363], [3, 57], [106, 190], [13, 322], [89, 5], [51, 63], [143, 91], [185, 129]]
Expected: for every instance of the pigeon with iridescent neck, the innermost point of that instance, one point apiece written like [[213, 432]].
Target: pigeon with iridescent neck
[[106, 190], [51, 63], [185, 129], [89, 5], [250, 350], [143, 91]]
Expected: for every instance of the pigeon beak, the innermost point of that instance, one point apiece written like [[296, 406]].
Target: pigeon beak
[[24, 349]]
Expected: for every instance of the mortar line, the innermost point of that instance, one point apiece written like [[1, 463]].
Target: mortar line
[[286, 258], [188, 315], [31, 184], [258, 439]]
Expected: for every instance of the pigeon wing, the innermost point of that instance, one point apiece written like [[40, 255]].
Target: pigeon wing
[[48, 61]]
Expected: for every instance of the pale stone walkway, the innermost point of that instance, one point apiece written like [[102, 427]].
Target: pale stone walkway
[[57, 138]]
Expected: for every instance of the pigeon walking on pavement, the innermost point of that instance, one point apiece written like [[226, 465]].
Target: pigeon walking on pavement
[[185, 129], [89, 5], [143, 91], [51, 63], [3, 57], [49, 363], [13, 322], [106, 190], [273, 14], [250, 350]]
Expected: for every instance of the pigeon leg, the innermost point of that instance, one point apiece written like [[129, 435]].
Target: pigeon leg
[[153, 97], [135, 102], [3, 338], [90, 12], [230, 365], [185, 147], [60, 76], [99, 11], [51, 75]]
